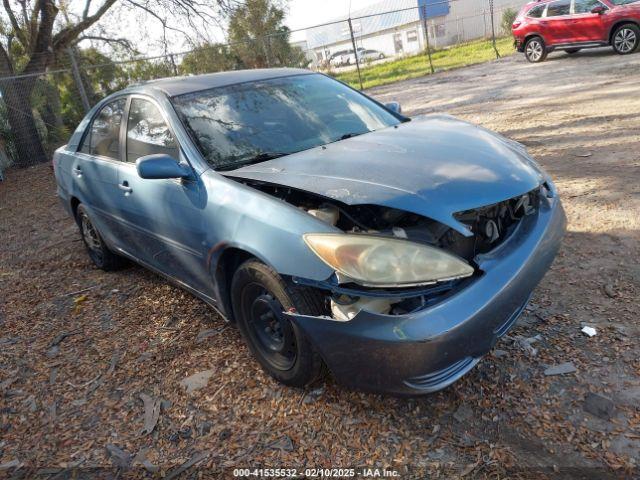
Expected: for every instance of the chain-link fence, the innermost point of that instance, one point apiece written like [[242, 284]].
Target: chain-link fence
[[391, 40]]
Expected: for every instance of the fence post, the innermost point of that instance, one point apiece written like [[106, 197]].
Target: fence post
[[355, 52], [173, 65], [425, 26], [493, 29], [78, 79], [267, 49]]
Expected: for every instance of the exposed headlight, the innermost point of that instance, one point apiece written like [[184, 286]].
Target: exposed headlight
[[386, 262]]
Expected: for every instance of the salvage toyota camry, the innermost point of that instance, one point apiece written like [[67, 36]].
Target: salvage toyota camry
[[334, 231]]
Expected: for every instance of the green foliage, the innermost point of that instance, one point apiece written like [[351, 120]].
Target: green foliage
[[144, 70], [508, 17], [258, 37], [418, 65], [6, 139], [208, 59]]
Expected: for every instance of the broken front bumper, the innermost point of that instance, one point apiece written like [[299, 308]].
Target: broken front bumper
[[428, 350]]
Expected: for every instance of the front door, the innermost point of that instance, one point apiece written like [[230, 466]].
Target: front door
[[589, 27], [397, 43], [557, 23], [163, 218]]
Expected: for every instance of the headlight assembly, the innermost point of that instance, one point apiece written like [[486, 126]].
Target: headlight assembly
[[386, 262]]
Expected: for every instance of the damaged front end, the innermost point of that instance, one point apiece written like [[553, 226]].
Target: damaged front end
[[349, 290]]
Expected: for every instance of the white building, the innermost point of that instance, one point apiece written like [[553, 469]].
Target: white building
[[401, 31]]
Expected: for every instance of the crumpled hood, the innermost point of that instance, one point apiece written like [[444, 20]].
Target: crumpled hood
[[434, 166]]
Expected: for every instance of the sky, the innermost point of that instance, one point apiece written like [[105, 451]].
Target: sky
[[306, 13], [146, 33]]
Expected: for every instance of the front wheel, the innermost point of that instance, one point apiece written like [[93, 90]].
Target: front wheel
[[98, 251], [535, 50], [625, 39], [259, 298]]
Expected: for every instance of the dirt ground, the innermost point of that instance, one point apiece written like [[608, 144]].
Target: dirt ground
[[80, 349]]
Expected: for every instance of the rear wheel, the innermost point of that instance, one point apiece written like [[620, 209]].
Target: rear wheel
[[259, 297], [98, 251], [571, 51], [625, 39], [535, 50]]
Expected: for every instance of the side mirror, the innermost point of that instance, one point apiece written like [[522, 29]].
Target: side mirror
[[599, 10], [394, 107], [160, 166]]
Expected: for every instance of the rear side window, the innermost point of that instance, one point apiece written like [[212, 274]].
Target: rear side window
[[103, 138], [537, 11], [557, 9], [147, 132]]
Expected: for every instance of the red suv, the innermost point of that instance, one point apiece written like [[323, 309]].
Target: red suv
[[572, 25]]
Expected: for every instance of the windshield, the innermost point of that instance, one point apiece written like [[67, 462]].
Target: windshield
[[260, 120], [623, 2]]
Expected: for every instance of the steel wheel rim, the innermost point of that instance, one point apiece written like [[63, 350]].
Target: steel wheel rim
[[534, 50], [272, 334], [90, 236], [625, 40]]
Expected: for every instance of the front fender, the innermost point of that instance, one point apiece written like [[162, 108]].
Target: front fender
[[263, 226]]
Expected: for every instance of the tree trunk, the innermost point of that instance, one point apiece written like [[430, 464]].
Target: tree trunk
[[16, 94]]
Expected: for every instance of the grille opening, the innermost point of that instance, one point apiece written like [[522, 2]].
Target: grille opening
[[493, 224]]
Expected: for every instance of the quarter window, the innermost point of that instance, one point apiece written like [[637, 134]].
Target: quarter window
[[103, 138], [557, 9], [147, 132], [537, 11]]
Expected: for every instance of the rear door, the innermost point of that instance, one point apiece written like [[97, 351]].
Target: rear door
[[557, 23], [164, 220], [94, 168], [589, 27]]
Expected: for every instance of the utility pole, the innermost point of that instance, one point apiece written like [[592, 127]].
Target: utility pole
[[355, 52], [493, 29], [425, 26]]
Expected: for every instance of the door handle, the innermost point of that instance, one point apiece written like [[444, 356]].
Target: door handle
[[124, 186], [77, 171]]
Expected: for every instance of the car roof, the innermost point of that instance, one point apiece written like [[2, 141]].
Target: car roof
[[175, 86]]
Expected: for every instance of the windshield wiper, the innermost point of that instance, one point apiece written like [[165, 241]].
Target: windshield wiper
[[260, 157], [352, 134]]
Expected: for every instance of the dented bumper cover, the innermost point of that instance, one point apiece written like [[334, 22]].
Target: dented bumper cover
[[428, 350]]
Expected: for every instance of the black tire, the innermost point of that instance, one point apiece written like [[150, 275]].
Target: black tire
[[98, 251], [259, 296], [625, 39], [535, 50], [571, 51]]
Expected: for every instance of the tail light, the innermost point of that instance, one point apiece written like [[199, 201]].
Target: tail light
[[517, 23]]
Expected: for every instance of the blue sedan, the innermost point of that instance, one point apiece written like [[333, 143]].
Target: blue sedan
[[335, 232]]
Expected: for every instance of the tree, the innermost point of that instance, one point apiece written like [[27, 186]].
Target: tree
[[508, 17], [258, 37], [208, 58], [32, 37]]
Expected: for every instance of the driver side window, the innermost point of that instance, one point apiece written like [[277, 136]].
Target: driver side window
[[559, 8], [147, 132], [585, 6]]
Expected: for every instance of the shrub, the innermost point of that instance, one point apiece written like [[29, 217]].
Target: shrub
[[508, 17]]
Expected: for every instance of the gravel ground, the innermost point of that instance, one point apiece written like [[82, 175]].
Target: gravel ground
[[91, 363]]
